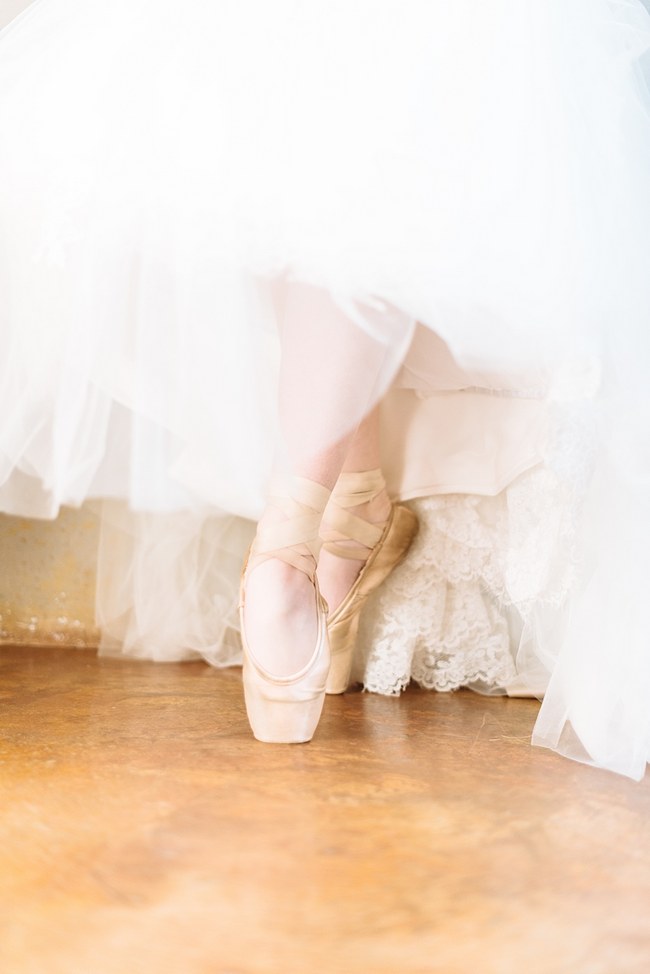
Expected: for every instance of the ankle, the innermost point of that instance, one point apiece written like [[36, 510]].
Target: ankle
[[351, 530], [288, 530], [375, 511]]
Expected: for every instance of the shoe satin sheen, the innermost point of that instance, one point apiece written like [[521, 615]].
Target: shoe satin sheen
[[286, 709], [343, 624]]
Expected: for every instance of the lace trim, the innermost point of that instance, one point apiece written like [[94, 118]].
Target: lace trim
[[444, 618]]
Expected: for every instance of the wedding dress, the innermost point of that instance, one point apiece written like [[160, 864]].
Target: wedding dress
[[463, 187]]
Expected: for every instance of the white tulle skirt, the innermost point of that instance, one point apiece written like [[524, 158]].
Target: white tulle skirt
[[455, 198]]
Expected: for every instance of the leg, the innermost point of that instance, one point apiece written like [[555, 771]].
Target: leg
[[366, 537], [335, 574], [329, 375]]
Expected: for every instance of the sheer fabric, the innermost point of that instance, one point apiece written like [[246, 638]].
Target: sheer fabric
[[195, 197]]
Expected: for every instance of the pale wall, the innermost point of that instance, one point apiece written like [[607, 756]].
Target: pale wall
[[47, 577]]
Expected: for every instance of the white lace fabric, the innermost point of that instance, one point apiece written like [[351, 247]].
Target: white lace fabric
[[450, 615]]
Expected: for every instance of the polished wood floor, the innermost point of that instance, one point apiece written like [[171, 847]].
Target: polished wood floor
[[143, 829]]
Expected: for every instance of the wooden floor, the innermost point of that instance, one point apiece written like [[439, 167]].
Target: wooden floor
[[143, 829]]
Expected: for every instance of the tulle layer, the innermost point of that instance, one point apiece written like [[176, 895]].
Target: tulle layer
[[480, 169], [181, 185]]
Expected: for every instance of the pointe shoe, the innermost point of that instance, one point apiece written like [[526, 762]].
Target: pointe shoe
[[287, 709], [388, 544]]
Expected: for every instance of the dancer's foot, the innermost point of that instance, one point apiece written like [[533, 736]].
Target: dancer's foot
[[284, 619], [338, 568], [359, 552], [280, 617]]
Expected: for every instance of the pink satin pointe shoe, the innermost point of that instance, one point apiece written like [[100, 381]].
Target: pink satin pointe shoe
[[287, 709], [381, 546]]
